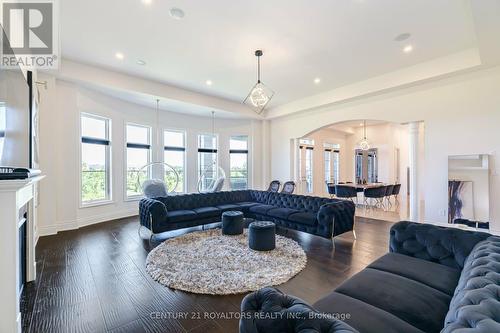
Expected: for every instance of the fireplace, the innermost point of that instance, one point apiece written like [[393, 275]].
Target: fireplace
[[22, 241], [17, 247]]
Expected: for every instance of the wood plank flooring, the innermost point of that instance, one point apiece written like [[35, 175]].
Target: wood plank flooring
[[94, 280]]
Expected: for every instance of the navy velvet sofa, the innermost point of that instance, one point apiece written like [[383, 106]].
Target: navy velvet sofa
[[318, 216], [434, 279]]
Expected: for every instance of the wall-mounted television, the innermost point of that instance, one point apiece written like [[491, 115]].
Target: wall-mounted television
[[15, 118]]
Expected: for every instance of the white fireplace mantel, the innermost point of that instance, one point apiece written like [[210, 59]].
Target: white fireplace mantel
[[15, 194]]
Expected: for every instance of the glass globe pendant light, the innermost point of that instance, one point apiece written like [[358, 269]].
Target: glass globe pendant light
[[364, 144], [260, 95]]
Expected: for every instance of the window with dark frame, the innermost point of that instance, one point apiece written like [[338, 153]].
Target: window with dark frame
[[95, 159], [207, 160], [175, 155], [238, 162], [138, 150]]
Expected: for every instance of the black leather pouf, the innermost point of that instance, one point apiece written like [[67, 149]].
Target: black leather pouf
[[262, 236], [232, 223]]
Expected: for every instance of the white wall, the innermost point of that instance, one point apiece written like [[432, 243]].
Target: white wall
[[60, 108], [461, 116]]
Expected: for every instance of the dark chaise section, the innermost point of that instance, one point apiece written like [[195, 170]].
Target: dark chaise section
[[318, 216], [434, 279]]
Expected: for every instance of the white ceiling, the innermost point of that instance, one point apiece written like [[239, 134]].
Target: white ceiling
[[341, 41]]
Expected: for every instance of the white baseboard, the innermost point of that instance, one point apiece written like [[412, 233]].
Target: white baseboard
[[82, 222]]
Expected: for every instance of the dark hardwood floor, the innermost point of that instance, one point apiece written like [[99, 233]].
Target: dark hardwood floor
[[94, 280]]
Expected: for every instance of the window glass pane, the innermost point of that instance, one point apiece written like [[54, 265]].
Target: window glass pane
[[137, 134], [207, 162], [207, 141], [173, 139], [176, 160], [336, 167], [306, 141], [328, 174], [238, 163], [239, 171], [136, 159], [238, 143], [331, 145], [94, 179], [309, 170], [94, 127], [207, 170]]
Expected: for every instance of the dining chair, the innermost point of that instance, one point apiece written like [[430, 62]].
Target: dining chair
[[395, 193], [331, 189], [288, 187], [346, 192], [274, 186], [376, 194], [388, 193]]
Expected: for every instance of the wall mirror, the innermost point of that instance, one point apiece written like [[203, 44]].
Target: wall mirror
[[469, 190], [366, 166]]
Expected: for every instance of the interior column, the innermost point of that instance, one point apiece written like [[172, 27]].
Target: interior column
[[413, 164]]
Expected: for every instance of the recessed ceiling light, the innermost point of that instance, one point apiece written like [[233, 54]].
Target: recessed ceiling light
[[141, 62], [208, 82], [402, 37], [119, 55], [317, 80], [177, 13], [408, 49], [361, 124], [147, 2]]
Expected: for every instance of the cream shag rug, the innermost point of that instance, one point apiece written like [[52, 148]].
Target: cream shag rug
[[207, 262]]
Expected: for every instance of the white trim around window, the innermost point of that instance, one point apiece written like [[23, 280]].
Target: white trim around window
[[147, 145], [102, 141]]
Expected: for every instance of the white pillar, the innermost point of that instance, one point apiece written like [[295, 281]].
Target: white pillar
[[266, 154], [413, 163]]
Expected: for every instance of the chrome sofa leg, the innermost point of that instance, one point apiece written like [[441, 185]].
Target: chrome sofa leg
[[354, 234]]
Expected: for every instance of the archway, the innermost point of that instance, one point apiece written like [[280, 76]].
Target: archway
[[331, 154]]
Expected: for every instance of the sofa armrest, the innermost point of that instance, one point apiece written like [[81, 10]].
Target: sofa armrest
[[335, 218], [154, 209], [269, 310], [443, 245]]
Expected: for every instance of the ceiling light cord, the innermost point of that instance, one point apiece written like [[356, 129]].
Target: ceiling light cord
[[258, 69]]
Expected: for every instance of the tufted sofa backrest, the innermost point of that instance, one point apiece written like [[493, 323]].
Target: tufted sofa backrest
[[445, 246], [196, 200], [475, 305], [300, 202], [259, 196]]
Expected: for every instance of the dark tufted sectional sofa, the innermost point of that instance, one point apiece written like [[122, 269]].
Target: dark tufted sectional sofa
[[434, 279], [318, 216]]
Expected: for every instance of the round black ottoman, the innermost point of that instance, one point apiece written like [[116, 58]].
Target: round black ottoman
[[262, 236], [232, 223]]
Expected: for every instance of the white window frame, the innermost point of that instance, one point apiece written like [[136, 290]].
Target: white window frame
[[150, 131], [164, 148], [108, 169]]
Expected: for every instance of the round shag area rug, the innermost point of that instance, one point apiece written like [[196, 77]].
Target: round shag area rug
[[207, 262]]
